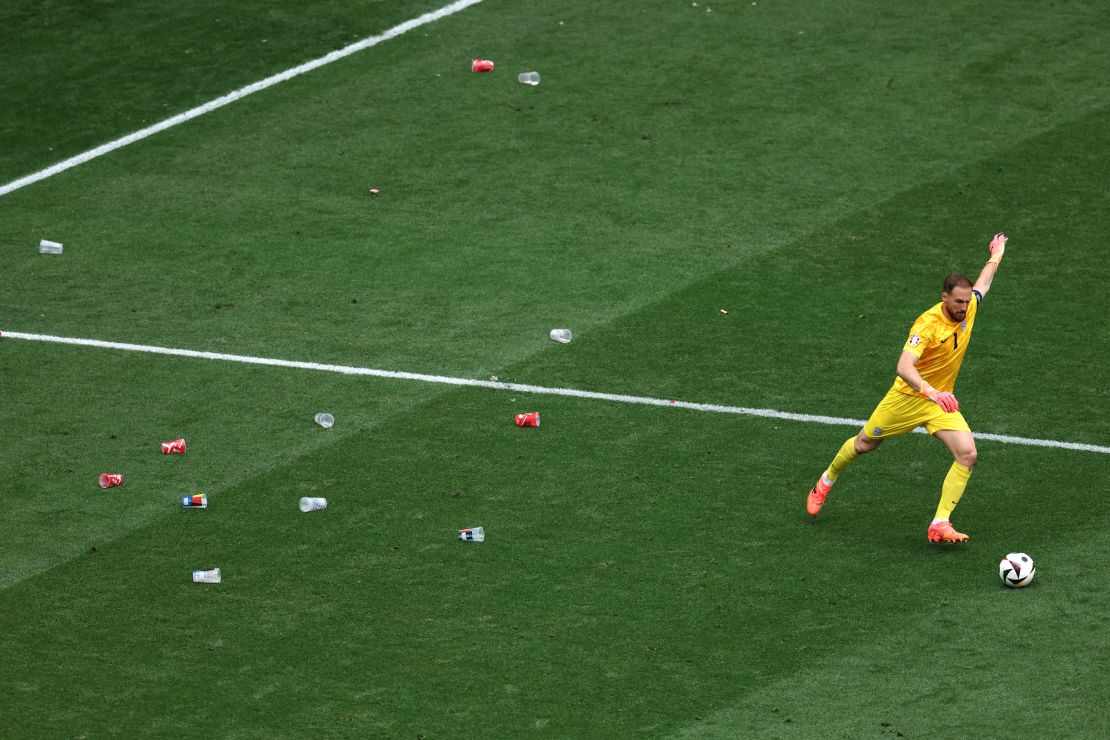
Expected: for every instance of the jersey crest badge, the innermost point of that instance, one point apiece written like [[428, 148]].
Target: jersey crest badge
[[915, 340], [963, 325]]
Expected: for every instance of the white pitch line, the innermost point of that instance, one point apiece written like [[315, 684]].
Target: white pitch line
[[523, 388], [242, 92]]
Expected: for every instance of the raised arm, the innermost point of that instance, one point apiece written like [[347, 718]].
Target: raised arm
[[907, 371], [986, 276]]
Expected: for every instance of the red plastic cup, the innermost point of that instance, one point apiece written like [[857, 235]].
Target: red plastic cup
[[481, 65], [110, 480], [174, 447], [531, 419]]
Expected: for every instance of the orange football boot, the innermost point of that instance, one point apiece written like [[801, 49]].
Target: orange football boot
[[943, 531], [816, 498]]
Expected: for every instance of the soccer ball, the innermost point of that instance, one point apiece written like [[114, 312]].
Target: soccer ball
[[1017, 569]]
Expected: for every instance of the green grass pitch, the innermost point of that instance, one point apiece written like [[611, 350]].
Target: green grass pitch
[[728, 202]]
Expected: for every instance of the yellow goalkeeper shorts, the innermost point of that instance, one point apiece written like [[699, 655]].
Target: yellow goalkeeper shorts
[[899, 413]]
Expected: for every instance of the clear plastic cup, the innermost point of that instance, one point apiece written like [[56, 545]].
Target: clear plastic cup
[[474, 534], [561, 335], [529, 78], [207, 576], [311, 503], [325, 420], [48, 247]]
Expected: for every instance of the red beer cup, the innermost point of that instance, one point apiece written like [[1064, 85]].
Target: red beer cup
[[481, 65], [530, 419], [174, 447], [110, 480]]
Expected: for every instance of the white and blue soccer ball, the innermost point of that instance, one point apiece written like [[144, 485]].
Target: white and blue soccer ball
[[1017, 570]]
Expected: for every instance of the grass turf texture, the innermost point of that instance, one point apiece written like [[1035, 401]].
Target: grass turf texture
[[76, 75], [647, 571]]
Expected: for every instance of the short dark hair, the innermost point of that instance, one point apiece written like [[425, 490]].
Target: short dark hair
[[956, 280]]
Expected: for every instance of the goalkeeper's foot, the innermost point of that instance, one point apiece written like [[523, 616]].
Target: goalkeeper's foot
[[816, 498], [943, 531]]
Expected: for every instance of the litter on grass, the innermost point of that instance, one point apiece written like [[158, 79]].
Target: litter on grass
[[48, 247], [110, 480], [476, 534], [325, 420], [310, 503], [174, 447], [196, 501], [561, 335], [207, 576], [530, 419]]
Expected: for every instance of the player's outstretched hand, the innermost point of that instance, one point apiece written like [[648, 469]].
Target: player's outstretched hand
[[997, 247]]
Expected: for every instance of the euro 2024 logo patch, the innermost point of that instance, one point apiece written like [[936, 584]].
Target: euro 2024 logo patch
[[915, 340]]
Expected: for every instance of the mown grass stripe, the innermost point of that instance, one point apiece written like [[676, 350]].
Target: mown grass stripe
[[239, 94], [523, 388]]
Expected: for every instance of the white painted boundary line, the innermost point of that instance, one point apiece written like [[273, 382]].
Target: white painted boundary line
[[521, 388], [242, 92]]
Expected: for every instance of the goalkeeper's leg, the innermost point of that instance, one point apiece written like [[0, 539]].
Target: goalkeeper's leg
[[962, 446], [852, 448]]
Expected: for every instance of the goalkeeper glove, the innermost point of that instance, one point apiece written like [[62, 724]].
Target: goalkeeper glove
[[944, 399], [997, 247]]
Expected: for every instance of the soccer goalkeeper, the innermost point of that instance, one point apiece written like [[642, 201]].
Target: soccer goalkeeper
[[922, 394]]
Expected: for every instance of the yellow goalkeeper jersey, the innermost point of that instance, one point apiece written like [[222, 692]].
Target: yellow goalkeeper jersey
[[940, 345]]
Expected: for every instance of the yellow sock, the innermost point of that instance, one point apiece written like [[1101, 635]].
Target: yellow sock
[[846, 455], [954, 484]]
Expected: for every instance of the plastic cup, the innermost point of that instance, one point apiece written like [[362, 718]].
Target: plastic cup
[[530, 419], [174, 447], [475, 534], [207, 576], [310, 503], [109, 480], [529, 78], [561, 335], [196, 501], [48, 247], [325, 420]]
